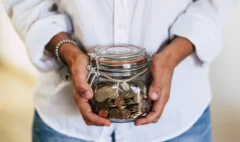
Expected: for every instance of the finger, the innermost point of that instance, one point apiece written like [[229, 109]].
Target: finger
[[89, 116], [157, 82], [97, 120], [81, 85], [157, 110], [154, 92], [152, 116]]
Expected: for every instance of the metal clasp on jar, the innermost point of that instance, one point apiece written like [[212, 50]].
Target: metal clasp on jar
[[93, 71]]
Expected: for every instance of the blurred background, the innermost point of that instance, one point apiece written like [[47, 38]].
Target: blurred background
[[17, 81]]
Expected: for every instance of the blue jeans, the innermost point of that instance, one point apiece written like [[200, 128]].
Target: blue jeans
[[199, 132]]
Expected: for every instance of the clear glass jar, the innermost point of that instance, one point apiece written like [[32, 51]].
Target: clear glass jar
[[120, 77]]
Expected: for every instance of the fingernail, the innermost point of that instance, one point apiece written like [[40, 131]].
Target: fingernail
[[154, 95], [87, 94]]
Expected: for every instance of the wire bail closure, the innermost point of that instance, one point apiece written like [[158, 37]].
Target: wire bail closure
[[93, 71]]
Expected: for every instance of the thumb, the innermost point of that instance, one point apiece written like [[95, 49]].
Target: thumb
[[155, 91], [83, 89], [87, 95]]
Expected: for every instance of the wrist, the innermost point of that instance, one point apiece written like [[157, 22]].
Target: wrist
[[178, 50], [166, 59], [68, 53]]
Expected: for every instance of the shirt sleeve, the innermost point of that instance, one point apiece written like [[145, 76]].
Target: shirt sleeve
[[202, 24], [37, 21]]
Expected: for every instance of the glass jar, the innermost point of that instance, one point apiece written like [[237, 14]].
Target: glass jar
[[120, 77]]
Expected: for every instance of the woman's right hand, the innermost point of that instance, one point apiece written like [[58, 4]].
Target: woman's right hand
[[77, 62]]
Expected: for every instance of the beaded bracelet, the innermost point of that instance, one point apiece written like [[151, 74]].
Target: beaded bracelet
[[60, 43]]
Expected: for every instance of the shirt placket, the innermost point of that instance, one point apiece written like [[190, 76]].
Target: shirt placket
[[120, 22]]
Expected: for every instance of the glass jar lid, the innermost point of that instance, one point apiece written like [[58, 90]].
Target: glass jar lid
[[120, 54], [120, 58], [122, 51]]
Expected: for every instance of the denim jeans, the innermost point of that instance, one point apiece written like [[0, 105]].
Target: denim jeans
[[199, 132]]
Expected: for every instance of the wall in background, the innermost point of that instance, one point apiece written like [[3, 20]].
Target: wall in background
[[225, 79], [225, 74], [12, 48]]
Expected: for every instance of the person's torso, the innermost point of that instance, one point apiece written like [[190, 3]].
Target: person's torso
[[144, 23]]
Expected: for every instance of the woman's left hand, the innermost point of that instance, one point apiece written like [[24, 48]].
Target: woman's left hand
[[162, 68]]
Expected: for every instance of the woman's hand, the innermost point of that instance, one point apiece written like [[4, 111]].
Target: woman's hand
[[77, 62], [162, 68]]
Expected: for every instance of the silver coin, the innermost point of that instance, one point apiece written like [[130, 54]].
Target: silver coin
[[111, 92], [122, 107], [131, 102], [133, 108], [136, 115], [126, 94], [134, 88], [145, 96], [138, 97], [100, 95], [124, 86]]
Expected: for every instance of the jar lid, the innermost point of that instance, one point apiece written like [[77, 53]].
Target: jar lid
[[121, 58], [119, 55]]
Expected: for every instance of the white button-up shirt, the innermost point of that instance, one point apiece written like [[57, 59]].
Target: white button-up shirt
[[150, 24]]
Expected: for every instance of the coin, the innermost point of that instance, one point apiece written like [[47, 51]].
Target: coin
[[138, 97], [136, 115], [103, 113], [124, 94], [113, 113], [144, 106], [134, 88], [126, 113], [127, 94], [99, 106], [111, 92], [100, 95], [149, 106], [144, 90], [122, 107], [119, 101], [130, 102], [139, 113], [144, 95], [110, 104], [108, 100], [133, 108], [124, 86], [140, 107], [92, 102], [125, 90]]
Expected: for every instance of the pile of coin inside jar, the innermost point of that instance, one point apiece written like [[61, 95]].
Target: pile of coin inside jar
[[118, 77], [121, 100]]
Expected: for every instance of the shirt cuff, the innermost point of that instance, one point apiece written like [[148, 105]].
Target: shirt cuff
[[38, 37], [202, 32]]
